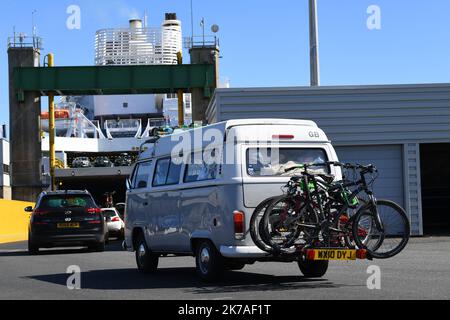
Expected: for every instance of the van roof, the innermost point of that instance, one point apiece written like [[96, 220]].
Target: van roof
[[165, 144]]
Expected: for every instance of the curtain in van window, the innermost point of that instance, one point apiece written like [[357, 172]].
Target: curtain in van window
[[200, 172], [274, 162], [161, 172]]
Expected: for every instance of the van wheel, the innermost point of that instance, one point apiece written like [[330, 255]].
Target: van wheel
[[209, 261], [313, 269], [146, 261]]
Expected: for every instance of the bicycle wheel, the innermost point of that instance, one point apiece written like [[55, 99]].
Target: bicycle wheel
[[386, 243], [281, 224], [347, 222], [256, 225]]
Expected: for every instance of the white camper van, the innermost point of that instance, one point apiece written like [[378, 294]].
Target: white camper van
[[202, 208]]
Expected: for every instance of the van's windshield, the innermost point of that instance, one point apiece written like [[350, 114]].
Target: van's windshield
[[272, 162]]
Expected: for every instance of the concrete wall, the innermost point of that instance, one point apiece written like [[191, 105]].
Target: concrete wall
[[24, 131], [14, 221], [203, 55]]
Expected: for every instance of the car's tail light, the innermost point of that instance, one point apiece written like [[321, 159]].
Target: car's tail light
[[39, 223], [39, 212], [94, 210], [239, 225], [115, 219], [95, 222]]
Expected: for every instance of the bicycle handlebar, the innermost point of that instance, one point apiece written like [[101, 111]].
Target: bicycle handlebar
[[364, 169], [368, 169], [306, 166]]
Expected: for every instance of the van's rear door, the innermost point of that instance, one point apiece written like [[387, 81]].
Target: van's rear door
[[263, 168]]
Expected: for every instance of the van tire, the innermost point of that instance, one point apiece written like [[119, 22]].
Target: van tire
[[313, 269], [146, 261], [209, 261]]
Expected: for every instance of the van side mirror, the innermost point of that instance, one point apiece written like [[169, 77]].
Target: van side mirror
[[128, 184], [29, 209], [142, 184]]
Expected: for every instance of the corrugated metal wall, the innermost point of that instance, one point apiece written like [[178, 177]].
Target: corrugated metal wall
[[349, 115], [401, 115]]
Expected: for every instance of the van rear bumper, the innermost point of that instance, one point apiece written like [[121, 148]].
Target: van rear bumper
[[242, 252]]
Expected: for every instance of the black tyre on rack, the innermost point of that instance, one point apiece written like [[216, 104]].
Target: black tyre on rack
[[257, 225]]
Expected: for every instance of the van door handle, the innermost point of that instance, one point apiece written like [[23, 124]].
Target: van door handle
[[145, 204]]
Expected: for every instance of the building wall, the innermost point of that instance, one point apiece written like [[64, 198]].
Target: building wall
[[5, 179], [405, 115], [350, 115]]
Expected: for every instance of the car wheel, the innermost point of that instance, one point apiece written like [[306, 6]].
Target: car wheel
[[33, 249], [98, 247], [146, 261], [209, 262], [313, 269]]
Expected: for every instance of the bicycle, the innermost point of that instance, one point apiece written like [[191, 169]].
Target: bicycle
[[304, 214], [322, 217]]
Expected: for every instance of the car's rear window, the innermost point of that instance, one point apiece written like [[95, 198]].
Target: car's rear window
[[109, 213], [67, 201]]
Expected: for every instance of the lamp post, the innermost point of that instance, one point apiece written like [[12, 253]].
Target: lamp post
[[314, 44]]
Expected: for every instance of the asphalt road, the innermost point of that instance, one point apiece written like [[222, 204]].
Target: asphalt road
[[422, 271]]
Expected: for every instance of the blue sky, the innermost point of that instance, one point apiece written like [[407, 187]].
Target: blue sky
[[263, 43]]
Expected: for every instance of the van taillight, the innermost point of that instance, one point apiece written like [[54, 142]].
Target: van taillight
[[94, 210], [115, 219], [239, 225]]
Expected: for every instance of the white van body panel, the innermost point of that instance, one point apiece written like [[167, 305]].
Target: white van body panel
[[171, 216]]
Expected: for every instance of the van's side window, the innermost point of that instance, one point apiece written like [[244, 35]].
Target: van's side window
[[200, 171], [174, 173], [166, 173], [161, 172], [141, 175]]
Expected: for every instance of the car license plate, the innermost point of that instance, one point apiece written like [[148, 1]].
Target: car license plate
[[68, 225], [332, 254]]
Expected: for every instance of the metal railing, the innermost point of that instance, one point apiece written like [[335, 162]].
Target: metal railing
[[200, 41], [23, 41]]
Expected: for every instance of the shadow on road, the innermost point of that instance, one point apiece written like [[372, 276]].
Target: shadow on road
[[179, 278], [112, 247]]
